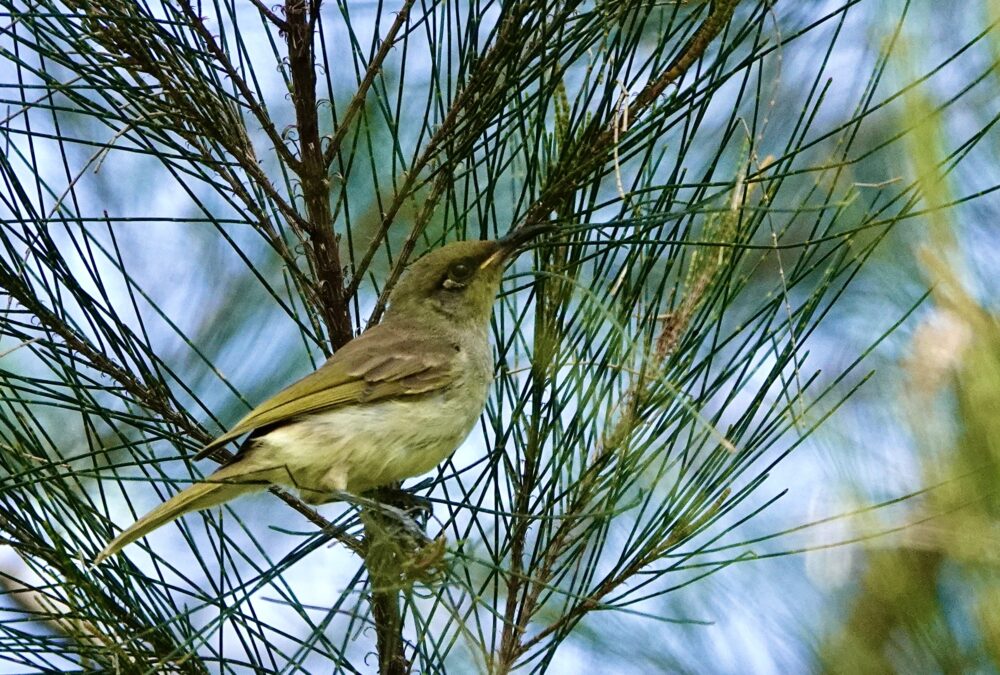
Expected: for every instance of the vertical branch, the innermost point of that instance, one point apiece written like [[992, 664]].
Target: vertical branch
[[383, 564], [321, 246], [323, 251], [300, 17]]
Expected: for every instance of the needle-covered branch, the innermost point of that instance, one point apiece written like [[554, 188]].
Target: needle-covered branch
[[597, 143], [149, 393]]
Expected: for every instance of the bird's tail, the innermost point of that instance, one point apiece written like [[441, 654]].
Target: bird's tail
[[227, 483]]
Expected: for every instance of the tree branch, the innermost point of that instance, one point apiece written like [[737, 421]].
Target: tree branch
[[269, 15], [383, 539], [515, 34], [251, 101], [325, 258], [322, 247], [59, 617]]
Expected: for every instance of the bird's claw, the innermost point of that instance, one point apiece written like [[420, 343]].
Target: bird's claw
[[419, 508]]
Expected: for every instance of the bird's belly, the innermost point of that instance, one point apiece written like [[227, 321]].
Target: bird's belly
[[359, 447]]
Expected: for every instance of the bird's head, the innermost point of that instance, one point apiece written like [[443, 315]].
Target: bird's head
[[458, 281]]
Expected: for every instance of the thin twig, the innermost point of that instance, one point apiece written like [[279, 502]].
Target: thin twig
[[251, 101], [482, 81], [600, 139], [281, 24], [374, 68]]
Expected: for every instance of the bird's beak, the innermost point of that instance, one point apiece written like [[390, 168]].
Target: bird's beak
[[513, 242]]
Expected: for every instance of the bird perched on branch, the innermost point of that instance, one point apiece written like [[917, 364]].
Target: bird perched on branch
[[390, 404]]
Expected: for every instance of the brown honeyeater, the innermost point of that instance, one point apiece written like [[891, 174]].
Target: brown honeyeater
[[391, 403]]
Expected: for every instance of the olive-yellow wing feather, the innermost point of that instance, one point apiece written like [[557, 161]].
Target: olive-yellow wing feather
[[385, 361]]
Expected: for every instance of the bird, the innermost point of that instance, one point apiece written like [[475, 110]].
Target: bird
[[390, 404]]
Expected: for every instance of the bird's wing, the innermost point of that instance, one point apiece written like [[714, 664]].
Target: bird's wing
[[385, 361]]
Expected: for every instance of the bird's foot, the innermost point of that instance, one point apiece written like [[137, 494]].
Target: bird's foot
[[389, 513], [419, 508]]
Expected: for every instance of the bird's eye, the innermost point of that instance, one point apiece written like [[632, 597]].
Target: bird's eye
[[460, 271], [458, 275]]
